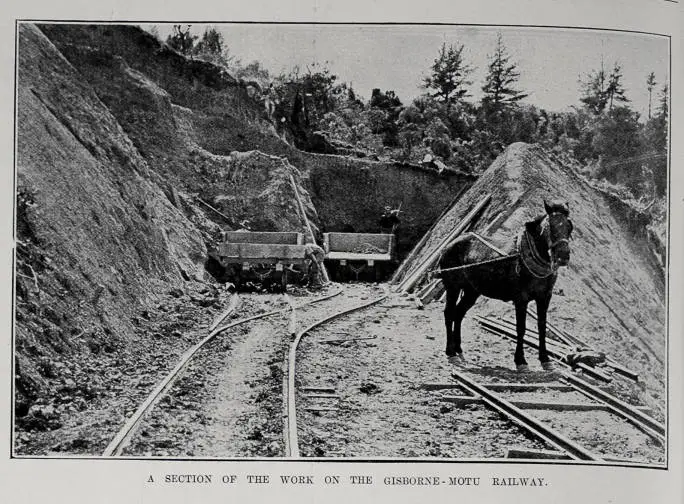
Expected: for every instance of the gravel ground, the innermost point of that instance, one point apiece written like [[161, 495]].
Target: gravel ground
[[380, 409]]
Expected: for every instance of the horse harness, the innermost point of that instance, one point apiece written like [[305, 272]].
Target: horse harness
[[525, 250]]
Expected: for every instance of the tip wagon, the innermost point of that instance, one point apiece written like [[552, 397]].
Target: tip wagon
[[268, 258], [358, 252]]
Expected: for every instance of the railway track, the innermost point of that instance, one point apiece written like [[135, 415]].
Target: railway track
[[504, 398], [566, 387], [541, 415], [126, 433], [289, 383]]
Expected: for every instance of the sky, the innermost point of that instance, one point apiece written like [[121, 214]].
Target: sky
[[397, 57]]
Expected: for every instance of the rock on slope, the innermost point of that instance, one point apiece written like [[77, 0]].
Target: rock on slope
[[613, 291]]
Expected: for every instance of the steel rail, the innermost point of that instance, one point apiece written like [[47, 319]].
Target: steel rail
[[122, 438], [291, 436], [630, 413], [527, 422], [500, 329]]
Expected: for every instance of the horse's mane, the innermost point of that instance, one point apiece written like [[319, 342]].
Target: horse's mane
[[534, 223]]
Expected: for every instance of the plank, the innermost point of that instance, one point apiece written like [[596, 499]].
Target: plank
[[529, 453], [260, 251], [357, 256], [318, 389], [302, 210]]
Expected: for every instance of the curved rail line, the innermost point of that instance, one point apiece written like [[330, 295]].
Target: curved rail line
[[120, 441], [291, 436]]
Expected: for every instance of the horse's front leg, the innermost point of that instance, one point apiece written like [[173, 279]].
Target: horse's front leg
[[520, 317], [542, 309], [452, 346]]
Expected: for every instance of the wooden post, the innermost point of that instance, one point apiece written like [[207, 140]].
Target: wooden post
[[302, 210]]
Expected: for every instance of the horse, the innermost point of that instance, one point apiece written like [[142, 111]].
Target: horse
[[469, 268]]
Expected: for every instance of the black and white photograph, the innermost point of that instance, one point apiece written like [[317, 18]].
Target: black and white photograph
[[343, 241]]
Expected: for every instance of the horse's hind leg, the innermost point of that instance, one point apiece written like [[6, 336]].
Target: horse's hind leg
[[542, 309], [466, 303], [452, 294]]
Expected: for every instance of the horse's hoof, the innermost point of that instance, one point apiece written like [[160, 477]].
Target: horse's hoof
[[456, 358], [522, 368], [548, 366]]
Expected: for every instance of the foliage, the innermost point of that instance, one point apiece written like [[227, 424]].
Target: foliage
[[601, 133], [181, 39], [502, 74], [449, 78]]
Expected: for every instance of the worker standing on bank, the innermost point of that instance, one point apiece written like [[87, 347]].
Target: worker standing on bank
[[389, 220]]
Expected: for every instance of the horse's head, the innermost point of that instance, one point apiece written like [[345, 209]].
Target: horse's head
[[557, 230]]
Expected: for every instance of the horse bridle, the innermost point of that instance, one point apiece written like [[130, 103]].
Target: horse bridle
[[546, 229]]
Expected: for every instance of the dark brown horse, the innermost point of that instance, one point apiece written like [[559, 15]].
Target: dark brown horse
[[527, 273]]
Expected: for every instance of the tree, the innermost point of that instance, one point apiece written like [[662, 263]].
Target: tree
[[601, 90], [594, 95], [181, 40], [616, 140], [614, 90], [499, 90], [663, 108], [211, 47], [650, 85], [386, 100], [449, 76]]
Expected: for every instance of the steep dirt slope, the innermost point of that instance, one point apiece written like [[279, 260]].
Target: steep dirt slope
[[612, 293], [251, 186], [186, 118], [97, 238]]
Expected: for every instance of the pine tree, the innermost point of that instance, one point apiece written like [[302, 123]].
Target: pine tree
[[663, 109], [594, 94], [614, 90], [449, 76], [650, 85], [501, 77]]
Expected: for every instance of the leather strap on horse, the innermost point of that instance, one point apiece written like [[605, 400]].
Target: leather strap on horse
[[525, 250], [531, 258]]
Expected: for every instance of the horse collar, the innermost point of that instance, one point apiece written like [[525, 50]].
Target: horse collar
[[530, 256]]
